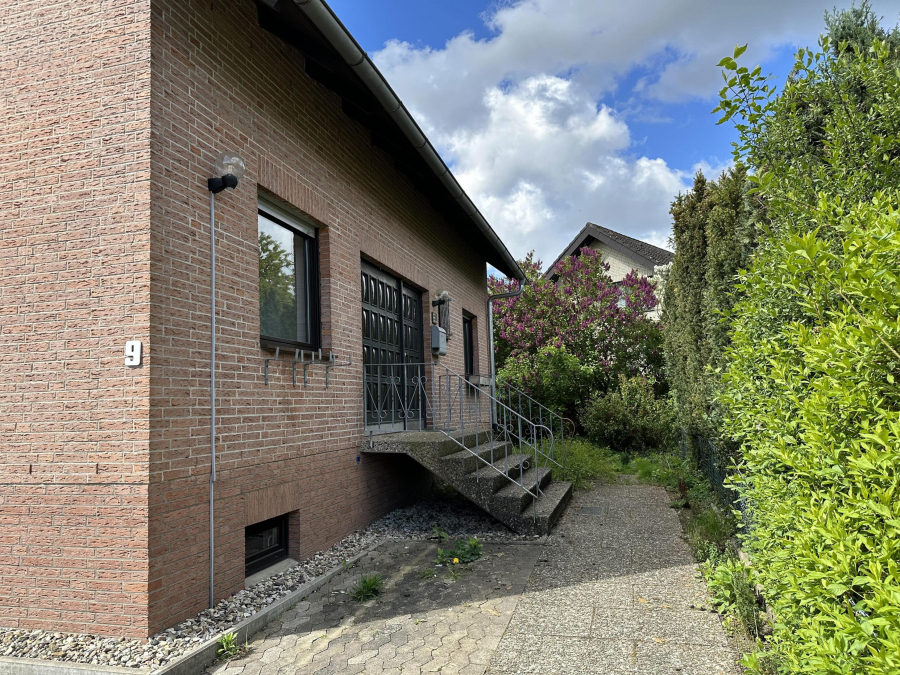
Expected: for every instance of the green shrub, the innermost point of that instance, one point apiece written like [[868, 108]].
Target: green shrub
[[810, 389], [552, 376], [630, 419], [583, 463]]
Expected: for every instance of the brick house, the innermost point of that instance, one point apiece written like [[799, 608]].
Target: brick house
[[114, 114]]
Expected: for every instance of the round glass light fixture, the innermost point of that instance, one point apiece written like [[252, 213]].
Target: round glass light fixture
[[230, 164], [230, 168]]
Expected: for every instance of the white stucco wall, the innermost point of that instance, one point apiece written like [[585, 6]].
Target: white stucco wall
[[620, 264]]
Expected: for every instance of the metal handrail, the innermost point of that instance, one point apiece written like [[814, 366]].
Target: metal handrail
[[430, 396], [554, 419]]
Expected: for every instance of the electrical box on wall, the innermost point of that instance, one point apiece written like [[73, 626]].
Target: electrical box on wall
[[438, 341]]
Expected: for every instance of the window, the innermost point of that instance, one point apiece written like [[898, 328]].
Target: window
[[265, 544], [469, 343], [288, 279]]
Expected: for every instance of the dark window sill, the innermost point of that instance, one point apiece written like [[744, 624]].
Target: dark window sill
[[271, 344]]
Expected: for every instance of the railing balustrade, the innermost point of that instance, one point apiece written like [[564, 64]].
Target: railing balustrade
[[431, 397]]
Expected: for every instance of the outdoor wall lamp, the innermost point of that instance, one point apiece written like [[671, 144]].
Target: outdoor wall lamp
[[230, 169]]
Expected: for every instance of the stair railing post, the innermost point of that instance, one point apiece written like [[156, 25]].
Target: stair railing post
[[462, 416], [449, 404], [378, 393]]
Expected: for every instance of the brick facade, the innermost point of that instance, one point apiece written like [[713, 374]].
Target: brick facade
[[104, 496], [74, 286]]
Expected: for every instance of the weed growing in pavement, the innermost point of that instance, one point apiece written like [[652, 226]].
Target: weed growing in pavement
[[229, 646], [708, 529], [731, 586], [454, 573], [465, 551], [437, 532], [427, 573], [368, 586]]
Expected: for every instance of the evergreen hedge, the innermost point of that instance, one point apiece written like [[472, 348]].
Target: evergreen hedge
[[810, 388]]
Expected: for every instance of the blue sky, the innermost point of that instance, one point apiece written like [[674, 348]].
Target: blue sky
[[552, 113]]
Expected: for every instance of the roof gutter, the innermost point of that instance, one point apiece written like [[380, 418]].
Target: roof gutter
[[490, 315], [349, 49]]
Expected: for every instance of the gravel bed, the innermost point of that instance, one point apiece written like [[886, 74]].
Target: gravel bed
[[452, 514]]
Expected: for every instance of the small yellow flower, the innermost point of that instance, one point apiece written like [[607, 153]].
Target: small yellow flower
[[456, 561]]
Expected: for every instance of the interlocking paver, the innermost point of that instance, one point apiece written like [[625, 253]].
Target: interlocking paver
[[612, 591]]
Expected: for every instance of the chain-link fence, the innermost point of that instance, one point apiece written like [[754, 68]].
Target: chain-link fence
[[716, 462]]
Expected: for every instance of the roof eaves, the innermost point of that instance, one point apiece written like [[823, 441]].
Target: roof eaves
[[591, 232], [334, 31]]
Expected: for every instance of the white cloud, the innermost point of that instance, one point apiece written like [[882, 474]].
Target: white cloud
[[518, 118]]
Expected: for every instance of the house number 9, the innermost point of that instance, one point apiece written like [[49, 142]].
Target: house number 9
[[133, 353]]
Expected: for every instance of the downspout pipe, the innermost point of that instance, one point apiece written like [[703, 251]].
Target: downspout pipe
[[490, 314]]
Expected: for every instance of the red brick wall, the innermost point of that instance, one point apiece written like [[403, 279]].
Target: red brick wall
[[221, 83], [74, 286]]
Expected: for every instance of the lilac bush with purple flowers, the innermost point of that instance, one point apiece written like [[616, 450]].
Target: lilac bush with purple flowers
[[562, 340]]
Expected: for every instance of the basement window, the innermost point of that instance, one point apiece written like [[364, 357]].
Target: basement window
[[265, 544]]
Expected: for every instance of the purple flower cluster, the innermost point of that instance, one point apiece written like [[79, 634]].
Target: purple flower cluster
[[601, 323]]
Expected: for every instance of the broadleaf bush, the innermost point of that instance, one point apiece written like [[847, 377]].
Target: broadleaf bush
[[810, 387], [630, 418], [563, 338]]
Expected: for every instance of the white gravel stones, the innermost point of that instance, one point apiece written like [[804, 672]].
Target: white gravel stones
[[452, 514]]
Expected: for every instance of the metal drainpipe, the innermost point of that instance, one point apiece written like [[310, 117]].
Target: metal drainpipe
[[490, 312], [212, 388]]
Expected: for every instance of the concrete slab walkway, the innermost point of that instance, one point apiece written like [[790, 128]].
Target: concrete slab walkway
[[613, 590]]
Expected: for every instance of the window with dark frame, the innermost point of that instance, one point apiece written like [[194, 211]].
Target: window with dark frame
[[265, 544], [288, 280], [469, 344]]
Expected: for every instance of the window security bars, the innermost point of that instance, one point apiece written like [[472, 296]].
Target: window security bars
[[431, 397]]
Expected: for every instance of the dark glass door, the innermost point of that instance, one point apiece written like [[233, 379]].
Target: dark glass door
[[392, 339]]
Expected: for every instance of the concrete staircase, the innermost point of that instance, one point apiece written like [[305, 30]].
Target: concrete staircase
[[484, 471]]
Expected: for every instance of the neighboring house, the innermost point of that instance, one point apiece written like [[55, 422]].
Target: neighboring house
[[114, 115], [621, 252]]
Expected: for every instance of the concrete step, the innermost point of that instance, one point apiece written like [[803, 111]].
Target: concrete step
[[465, 462], [488, 488], [513, 498], [551, 503], [490, 479]]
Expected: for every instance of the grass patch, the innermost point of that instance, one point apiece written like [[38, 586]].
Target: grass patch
[[368, 586], [454, 573], [585, 463], [731, 585]]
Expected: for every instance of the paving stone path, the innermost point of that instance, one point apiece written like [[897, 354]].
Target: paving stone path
[[612, 590]]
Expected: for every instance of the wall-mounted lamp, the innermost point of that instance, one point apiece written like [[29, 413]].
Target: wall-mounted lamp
[[230, 168]]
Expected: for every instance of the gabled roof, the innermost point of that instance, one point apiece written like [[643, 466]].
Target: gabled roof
[[335, 60], [646, 254]]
